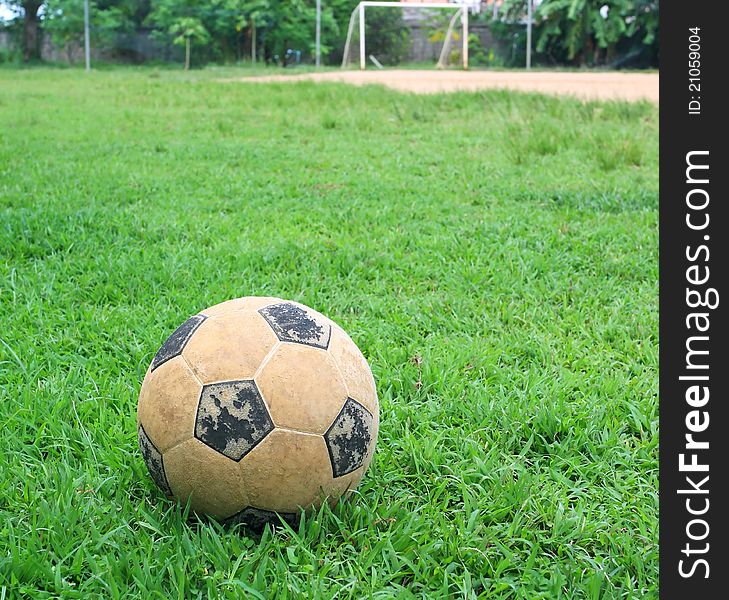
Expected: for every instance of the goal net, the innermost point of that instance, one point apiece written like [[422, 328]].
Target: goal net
[[454, 41]]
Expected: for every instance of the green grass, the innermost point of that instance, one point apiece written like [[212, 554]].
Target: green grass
[[507, 241]]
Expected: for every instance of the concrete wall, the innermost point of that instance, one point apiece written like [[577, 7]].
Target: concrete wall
[[137, 47]]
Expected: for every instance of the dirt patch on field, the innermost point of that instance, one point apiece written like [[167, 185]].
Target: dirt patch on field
[[590, 86]]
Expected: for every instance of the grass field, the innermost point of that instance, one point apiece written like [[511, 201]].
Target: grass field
[[494, 255]]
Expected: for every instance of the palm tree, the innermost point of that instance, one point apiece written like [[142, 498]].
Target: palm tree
[[186, 29]]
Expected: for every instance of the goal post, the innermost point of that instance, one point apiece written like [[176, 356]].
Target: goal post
[[359, 14], [443, 58]]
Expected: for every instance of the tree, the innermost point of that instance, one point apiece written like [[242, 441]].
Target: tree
[[271, 26], [250, 15], [64, 20], [388, 38], [571, 24], [588, 31], [31, 29], [183, 22], [187, 29], [291, 26], [220, 30]]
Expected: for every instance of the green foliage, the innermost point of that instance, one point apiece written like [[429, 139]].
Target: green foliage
[[290, 25], [164, 15], [64, 19], [188, 29], [244, 14], [13, 33], [187, 22], [478, 55], [26, 17], [506, 302], [590, 32], [566, 31], [10, 56], [234, 28], [281, 25], [387, 36]]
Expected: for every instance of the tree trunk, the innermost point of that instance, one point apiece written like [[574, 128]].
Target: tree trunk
[[610, 54], [187, 54], [587, 52], [31, 31]]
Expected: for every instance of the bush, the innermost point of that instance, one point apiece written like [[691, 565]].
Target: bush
[[584, 32], [10, 56]]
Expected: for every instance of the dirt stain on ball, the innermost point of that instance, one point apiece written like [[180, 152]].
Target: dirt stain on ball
[[349, 437], [292, 323], [232, 418]]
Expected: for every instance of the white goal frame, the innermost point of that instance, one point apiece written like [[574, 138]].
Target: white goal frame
[[462, 9]]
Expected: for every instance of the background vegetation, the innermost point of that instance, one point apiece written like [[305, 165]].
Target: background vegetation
[[228, 30], [585, 32], [567, 32]]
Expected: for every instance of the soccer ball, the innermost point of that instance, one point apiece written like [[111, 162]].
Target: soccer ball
[[257, 407]]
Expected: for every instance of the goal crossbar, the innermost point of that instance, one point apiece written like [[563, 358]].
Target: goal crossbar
[[359, 10]]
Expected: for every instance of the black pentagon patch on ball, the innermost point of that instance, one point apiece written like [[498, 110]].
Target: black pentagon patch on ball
[[349, 437], [176, 343], [292, 323], [153, 459], [232, 417], [256, 519]]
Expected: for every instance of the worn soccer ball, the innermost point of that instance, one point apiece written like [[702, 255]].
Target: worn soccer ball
[[255, 409]]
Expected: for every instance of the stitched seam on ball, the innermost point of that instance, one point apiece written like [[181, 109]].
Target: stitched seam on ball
[[192, 437], [188, 337], [344, 380], [192, 370], [319, 435], [202, 312], [265, 360]]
